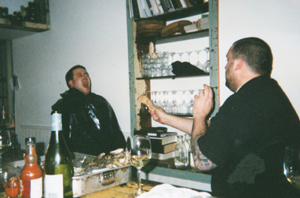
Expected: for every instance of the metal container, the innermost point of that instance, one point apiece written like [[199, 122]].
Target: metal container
[[96, 180]]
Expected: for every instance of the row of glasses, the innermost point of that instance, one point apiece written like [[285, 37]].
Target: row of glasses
[[157, 67], [177, 102], [162, 66]]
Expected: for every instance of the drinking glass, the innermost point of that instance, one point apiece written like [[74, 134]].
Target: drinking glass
[[207, 62], [191, 102], [5, 143], [291, 166], [199, 64], [182, 105], [140, 155], [165, 105], [11, 183], [174, 106], [194, 58]]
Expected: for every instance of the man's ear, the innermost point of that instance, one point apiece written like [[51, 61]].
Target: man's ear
[[239, 63], [71, 83]]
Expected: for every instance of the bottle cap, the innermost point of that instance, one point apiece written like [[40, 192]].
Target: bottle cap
[[29, 140]]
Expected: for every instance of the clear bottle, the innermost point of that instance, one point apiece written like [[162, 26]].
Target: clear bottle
[[58, 163], [181, 159], [187, 141], [31, 174]]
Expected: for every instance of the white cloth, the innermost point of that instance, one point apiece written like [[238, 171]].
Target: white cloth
[[169, 191]]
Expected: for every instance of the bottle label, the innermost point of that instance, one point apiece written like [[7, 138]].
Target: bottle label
[[32, 188], [54, 186], [56, 124]]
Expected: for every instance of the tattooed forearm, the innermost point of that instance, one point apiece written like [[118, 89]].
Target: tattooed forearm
[[201, 162]]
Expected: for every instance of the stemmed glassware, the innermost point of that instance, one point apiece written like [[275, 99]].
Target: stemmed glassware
[[291, 166], [5, 143], [11, 183], [140, 154], [191, 102], [199, 64], [207, 62], [174, 107]]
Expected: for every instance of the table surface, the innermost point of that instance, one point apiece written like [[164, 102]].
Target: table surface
[[122, 191]]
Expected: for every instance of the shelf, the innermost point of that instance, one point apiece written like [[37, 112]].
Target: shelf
[[178, 115], [182, 37], [179, 13], [168, 77], [8, 31]]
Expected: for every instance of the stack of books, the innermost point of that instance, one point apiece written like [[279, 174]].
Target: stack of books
[[163, 143], [149, 8]]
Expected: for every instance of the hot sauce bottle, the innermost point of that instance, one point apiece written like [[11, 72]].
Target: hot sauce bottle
[[31, 174]]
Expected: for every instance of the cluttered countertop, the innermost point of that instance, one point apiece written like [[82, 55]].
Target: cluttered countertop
[[114, 174]]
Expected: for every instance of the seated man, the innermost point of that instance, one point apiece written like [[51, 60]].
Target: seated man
[[90, 125]]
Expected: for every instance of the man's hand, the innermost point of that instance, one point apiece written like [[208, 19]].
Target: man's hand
[[157, 113], [203, 103]]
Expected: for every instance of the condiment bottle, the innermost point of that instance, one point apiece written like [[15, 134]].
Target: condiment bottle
[[31, 174], [58, 164]]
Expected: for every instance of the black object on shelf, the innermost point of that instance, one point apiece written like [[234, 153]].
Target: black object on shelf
[[186, 69]]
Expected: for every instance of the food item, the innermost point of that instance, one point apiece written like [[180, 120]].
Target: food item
[[58, 164], [152, 51], [146, 101]]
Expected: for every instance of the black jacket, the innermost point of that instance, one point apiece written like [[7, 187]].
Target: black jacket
[[90, 125], [247, 140]]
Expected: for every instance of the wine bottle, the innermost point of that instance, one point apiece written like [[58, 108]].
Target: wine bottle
[[31, 174], [58, 164]]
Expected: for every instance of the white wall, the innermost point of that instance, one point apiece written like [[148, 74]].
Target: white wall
[[91, 33], [277, 22]]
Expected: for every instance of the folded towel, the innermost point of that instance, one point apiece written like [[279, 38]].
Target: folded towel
[[169, 191]]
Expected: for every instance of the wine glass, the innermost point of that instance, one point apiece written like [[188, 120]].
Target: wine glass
[[291, 166], [5, 143], [11, 183], [207, 62], [140, 155]]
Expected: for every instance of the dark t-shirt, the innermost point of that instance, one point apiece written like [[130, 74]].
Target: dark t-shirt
[[89, 123], [247, 140]]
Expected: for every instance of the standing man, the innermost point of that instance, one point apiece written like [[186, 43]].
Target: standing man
[[244, 144], [89, 123]]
